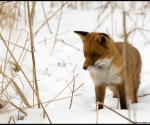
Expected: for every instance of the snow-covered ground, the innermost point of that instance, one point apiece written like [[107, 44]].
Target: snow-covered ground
[[55, 69]]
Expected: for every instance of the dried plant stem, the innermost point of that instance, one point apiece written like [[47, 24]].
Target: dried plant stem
[[60, 99], [23, 48], [68, 44], [135, 30], [60, 92], [26, 52], [9, 11], [18, 108], [20, 80], [78, 87], [18, 89], [100, 103], [126, 82], [53, 36], [18, 46], [57, 30], [3, 26], [14, 59], [5, 2], [98, 17], [1, 8], [33, 92], [24, 76], [3, 72], [5, 64], [125, 54], [45, 72], [143, 95], [32, 11], [3, 89], [32, 51], [97, 113], [21, 110], [10, 120], [66, 68], [42, 103], [46, 18], [104, 19], [73, 87], [68, 86], [45, 21], [43, 115], [118, 101], [8, 83], [135, 23], [112, 17], [45, 40], [66, 97], [14, 44], [25, 12]]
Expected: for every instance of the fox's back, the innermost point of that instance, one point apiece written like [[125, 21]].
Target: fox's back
[[133, 57]]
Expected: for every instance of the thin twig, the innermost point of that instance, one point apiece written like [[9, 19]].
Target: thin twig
[[45, 21], [124, 46], [32, 51], [18, 89], [32, 11], [112, 18], [53, 36], [5, 64], [68, 86], [5, 2], [23, 48], [135, 30], [17, 46], [100, 103], [57, 29], [78, 87], [46, 70], [10, 120], [25, 11], [61, 91], [143, 95], [26, 52], [42, 103], [73, 87], [9, 11], [68, 44], [66, 67], [16, 106], [46, 18]]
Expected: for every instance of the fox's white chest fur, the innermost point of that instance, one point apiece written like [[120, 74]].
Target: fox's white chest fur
[[102, 73]]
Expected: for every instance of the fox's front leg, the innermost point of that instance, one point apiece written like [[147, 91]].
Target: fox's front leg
[[100, 94]]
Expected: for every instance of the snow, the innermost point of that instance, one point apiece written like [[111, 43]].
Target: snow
[[54, 71]]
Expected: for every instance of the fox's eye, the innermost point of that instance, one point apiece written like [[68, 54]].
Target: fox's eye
[[95, 55]]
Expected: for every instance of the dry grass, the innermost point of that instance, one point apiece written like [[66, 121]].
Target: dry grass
[[11, 118], [10, 13], [100, 103], [30, 18]]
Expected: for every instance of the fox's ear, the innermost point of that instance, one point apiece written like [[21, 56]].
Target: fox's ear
[[82, 35], [103, 39]]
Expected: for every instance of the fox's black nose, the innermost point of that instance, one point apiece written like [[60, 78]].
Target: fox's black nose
[[84, 67]]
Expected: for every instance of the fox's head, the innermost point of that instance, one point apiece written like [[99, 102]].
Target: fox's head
[[98, 48]]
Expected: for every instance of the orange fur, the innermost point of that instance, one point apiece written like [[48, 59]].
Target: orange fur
[[104, 60]]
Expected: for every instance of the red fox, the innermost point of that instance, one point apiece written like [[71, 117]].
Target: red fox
[[104, 60]]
